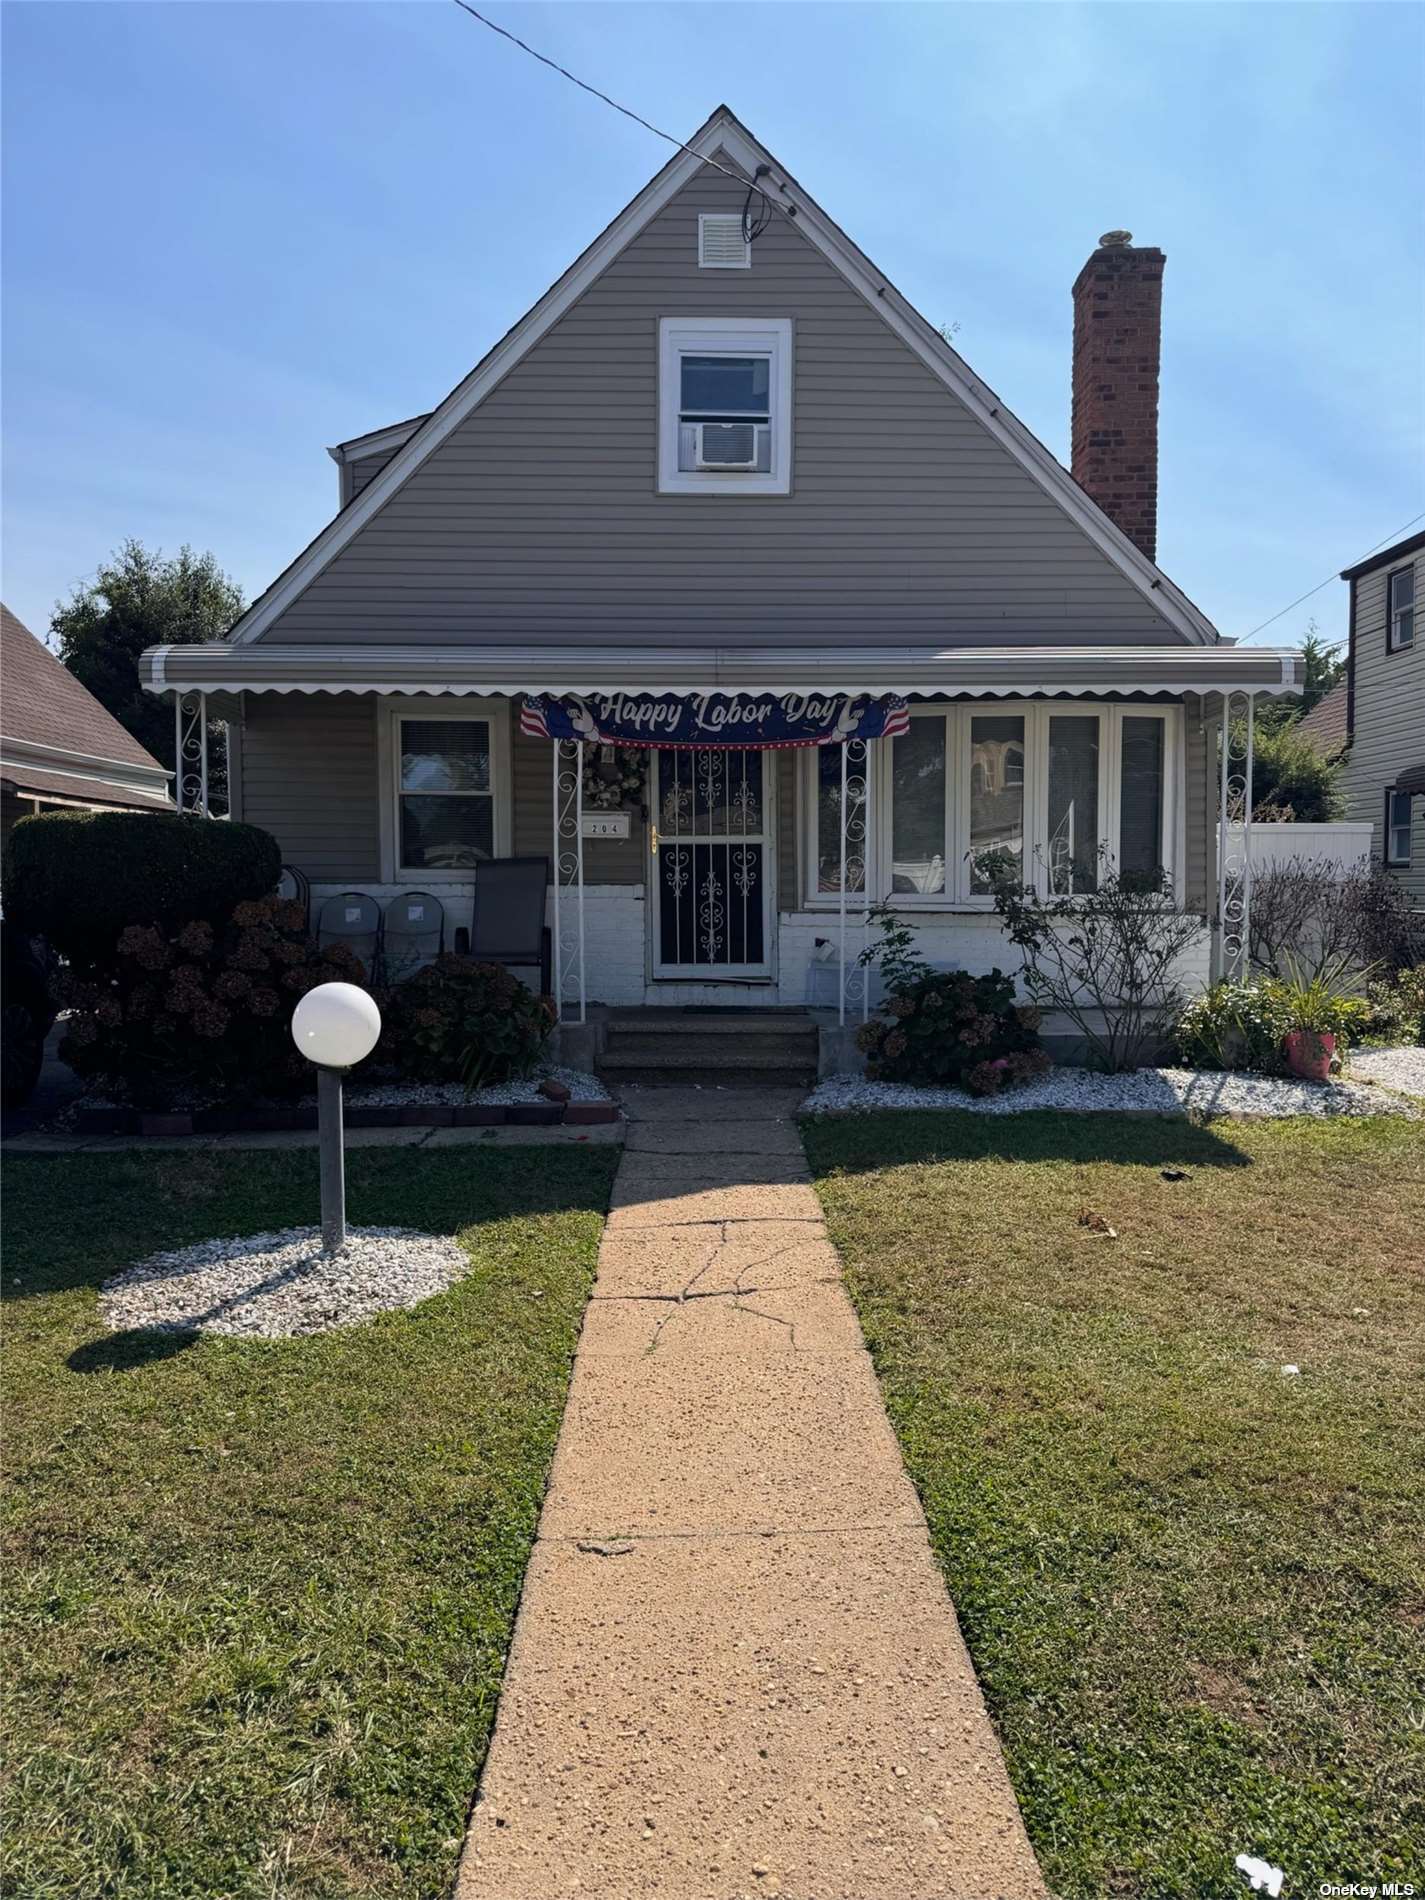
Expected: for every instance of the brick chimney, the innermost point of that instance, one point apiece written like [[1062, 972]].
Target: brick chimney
[[1118, 306]]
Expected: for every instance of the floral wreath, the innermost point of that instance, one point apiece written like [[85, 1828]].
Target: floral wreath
[[613, 776]]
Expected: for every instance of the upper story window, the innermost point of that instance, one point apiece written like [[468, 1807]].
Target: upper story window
[[725, 406], [1400, 609], [1397, 826]]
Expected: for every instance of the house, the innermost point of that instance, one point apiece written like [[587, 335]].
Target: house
[[724, 511], [59, 748], [1325, 724], [1384, 775]]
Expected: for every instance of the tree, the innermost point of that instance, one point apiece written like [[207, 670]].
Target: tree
[[1325, 668], [1291, 778], [141, 598]]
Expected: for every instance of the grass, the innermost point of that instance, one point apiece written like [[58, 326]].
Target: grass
[[260, 1593], [1193, 1587]]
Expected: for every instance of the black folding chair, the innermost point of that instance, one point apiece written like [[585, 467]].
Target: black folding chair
[[508, 926], [354, 920], [412, 934]]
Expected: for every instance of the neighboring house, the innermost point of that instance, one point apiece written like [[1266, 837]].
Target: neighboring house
[[705, 466], [59, 748], [1384, 775], [1325, 724]]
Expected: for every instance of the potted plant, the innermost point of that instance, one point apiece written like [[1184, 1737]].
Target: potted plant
[[1317, 1013]]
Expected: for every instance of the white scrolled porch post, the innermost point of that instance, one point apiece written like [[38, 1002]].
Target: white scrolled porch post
[[568, 866], [1234, 858], [190, 752], [1247, 802], [867, 854], [841, 887]]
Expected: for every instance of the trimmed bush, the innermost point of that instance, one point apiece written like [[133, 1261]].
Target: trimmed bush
[[458, 1021], [201, 1008], [80, 878], [955, 1029]]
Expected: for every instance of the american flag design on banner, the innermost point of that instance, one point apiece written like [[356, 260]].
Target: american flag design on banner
[[743, 720]]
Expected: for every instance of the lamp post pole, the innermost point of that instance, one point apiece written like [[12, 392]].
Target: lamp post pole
[[335, 1026], [333, 1159]]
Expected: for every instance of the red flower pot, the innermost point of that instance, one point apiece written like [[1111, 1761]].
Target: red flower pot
[[1310, 1053]]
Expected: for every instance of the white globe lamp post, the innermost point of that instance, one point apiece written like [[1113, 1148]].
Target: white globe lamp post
[[335, 1026]]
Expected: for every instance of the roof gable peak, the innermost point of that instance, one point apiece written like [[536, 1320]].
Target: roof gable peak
[[723, 134]]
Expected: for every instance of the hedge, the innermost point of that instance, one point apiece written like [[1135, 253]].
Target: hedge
[[81, 878]]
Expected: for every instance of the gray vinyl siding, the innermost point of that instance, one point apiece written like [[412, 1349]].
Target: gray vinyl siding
[[1389, 730], [1200, 862], [358, 474], [606, 860], [309, 776], [539, 521]]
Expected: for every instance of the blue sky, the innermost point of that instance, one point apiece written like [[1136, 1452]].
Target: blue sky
[[237, 233]]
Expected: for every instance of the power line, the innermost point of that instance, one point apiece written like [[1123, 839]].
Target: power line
[[628, 113], [1394, 536]]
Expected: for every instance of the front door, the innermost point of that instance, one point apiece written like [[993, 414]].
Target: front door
[[712, 871]]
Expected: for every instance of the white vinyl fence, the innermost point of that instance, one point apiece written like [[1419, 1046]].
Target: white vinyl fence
[[1343, 845]]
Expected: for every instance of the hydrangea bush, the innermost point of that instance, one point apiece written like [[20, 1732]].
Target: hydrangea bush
[[946, 1027], [205, 1007], [458, 1021]]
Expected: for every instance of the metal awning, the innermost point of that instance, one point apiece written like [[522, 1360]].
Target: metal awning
[[270, 667]]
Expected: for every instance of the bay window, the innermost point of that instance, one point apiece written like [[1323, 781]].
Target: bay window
[[1072, 839], [1066, 789]]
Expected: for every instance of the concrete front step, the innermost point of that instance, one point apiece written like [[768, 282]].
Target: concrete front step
[[727, 1048], [791, 1047], [702, 1075], [727, 1022]]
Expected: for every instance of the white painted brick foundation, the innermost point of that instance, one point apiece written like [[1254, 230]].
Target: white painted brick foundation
[[616, 957]]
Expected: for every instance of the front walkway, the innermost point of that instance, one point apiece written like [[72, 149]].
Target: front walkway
[[735, 1670]]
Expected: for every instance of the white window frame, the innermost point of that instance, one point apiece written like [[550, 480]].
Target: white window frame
[[390, 712], [1394, 615], [725, 336], [1036, 714], [1391, 828]]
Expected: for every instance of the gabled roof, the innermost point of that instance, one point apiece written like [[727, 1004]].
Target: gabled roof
[[1325, 724], [723, 137], [56, 737], [1385, 557]]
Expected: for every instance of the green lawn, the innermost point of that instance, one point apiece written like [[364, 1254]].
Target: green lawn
[[259, 1593], [1193, 1588]]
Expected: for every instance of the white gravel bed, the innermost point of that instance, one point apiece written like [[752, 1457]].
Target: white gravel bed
[[1401, 1068], [1164, 1091], [582, 1087], [276, 1286]]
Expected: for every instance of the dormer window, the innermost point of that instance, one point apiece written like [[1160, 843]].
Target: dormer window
[[725, 403]]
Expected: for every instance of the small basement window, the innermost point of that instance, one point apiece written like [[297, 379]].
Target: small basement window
[[724, 406], [1401, 610]]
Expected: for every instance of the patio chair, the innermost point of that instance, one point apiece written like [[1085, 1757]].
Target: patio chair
[[412, 934], [354, 920], [293, 886], [508, 925]]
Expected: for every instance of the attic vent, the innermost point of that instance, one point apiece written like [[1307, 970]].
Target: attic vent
[[721, 245]]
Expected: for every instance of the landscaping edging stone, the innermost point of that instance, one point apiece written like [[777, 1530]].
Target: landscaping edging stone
[[100, 1122]]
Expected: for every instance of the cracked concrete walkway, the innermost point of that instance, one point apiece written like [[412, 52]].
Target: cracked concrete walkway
[[735, 1670]]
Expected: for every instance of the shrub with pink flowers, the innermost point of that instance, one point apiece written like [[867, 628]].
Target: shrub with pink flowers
[[944, 1027], [206, 1007]]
